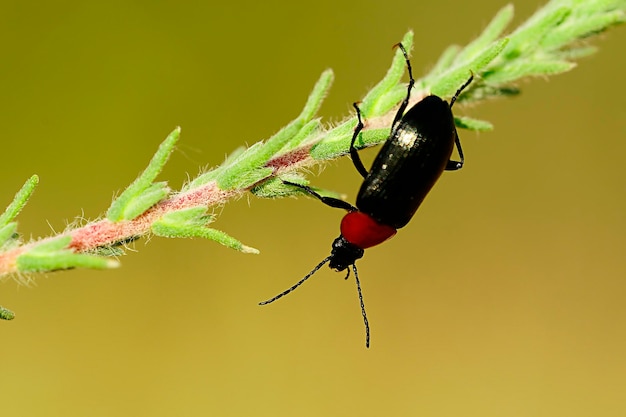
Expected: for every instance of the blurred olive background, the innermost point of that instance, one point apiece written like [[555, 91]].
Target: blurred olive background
[[505, 296]]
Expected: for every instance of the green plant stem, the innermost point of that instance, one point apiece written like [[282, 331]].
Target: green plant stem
[[544, 45]]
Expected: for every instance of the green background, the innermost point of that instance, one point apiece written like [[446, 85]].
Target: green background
[[505, 296]]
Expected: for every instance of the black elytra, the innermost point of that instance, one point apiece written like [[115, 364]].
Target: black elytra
[[407, 166]]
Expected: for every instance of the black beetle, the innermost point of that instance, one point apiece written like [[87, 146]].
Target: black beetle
[[409, 163]]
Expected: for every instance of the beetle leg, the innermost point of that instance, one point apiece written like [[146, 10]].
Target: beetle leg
[[356, 159], [458, 92], [329, 201], [405, 102], [454, 165]]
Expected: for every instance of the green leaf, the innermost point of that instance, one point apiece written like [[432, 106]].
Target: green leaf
[[193, 222], [142, 193], [335, 144], [144, 200], [305, 134], [6, 314], [527, 69], [274, 186], [371, 105], [212, 174], [580, 29], [257, 156], [194, 216], [527, 37], [53, 255], [450, 81], [489, 35], [444, 62], [472, 124], [251, 177], [8, 233], [19, 201], [391, 99], [52, 245], [317, 96], [574, 53]]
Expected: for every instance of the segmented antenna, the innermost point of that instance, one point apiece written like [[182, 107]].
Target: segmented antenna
[[287, 291]]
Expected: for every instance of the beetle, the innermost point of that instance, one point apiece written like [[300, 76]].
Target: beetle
[[407, 166]]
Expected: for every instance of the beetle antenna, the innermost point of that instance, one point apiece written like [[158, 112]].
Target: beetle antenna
[[367, 324], [458, 92], [287, 291]]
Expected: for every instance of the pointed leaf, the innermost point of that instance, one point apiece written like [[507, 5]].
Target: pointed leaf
[[19, 201], [126, 206], [6, 314]]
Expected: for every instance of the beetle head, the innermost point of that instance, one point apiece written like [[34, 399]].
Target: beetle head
[[344, 254]]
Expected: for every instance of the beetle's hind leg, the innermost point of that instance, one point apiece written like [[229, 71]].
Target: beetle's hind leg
[[329, 201]]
